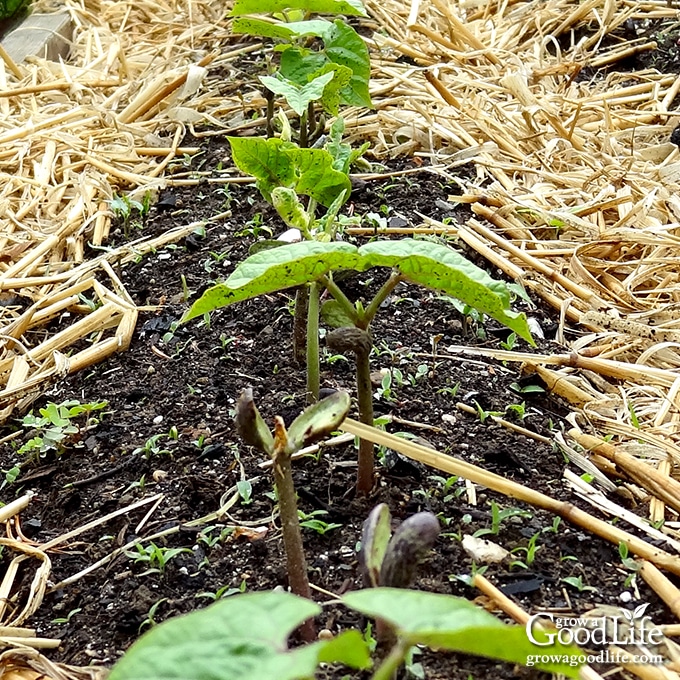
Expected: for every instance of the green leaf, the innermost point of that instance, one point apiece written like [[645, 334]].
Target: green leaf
[[318, 421], [276, 269], [344, 46], [290, 209], [262, 27], [275, 163], [349, 7], [51, 412], [317, 177], [349, 648], [240, 637], [454, 624], [375, 535], [264, 159], [442, 268], [330, 99], [423, 262], [298, 64], [298, 96]]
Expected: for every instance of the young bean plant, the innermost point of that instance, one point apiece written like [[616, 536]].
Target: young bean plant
[[426, 263]]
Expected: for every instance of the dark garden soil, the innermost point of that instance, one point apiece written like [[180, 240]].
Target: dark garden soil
[[168, 429]]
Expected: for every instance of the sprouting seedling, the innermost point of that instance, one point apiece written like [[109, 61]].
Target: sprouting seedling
[[390, 560], [315, 423]]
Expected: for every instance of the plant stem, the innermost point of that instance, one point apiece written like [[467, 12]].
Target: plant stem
[[365, 398], [311, 120], [391, 663], [300, 324], [303, 130], [292, 537], [380, 297], [313, 379], [269, 96], [341, 298]]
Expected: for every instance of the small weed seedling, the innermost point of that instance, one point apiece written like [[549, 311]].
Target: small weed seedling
[[529, 553], [56, 426], [251, 631], [156, 557], [577, 583], [315, 423], [498, 516], [633, 566], [311, 521]]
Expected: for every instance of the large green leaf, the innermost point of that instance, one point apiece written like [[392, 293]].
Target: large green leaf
[[424, 262], [455, 624], [349, 7], [344, 46], [439, 267], [264, 159], [240, 637], [276, 269], [298, 96]]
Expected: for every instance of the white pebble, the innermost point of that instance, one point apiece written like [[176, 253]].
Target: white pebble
[[158, 420]]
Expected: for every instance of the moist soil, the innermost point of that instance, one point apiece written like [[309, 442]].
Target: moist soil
[[168, 429]]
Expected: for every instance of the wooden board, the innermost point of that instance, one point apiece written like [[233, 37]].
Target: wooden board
[[40, 35]]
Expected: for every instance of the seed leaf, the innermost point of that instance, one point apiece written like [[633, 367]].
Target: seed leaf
[[251, 428], [318, 421], [375, 536]]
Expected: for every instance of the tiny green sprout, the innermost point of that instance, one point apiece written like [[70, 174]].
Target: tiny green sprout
[[11, 475], [68, 617], [155, 556], [498, 516], [519, 409], [577, 583], [483, 415], [245, 491], [635, 422], [311, 521], [554, 527], [529, 552], [151, 447], [150, 620], [449, 391], [510, 343], [526, 389], [224, 591]]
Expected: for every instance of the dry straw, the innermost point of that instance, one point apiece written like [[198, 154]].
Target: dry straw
[[573, 189]]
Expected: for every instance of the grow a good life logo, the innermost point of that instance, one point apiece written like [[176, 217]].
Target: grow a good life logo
[[607, 635]]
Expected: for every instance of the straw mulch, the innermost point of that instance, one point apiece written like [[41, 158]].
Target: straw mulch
[[575, 192]]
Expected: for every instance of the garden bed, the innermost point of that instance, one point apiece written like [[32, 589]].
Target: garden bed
[[588, 238]]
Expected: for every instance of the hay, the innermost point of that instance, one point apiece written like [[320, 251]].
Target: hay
[[574, 190]]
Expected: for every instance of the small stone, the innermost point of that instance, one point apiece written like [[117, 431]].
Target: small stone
[[159, 475], [625, 597], [151, 370], [325, 634], [158, 420]]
